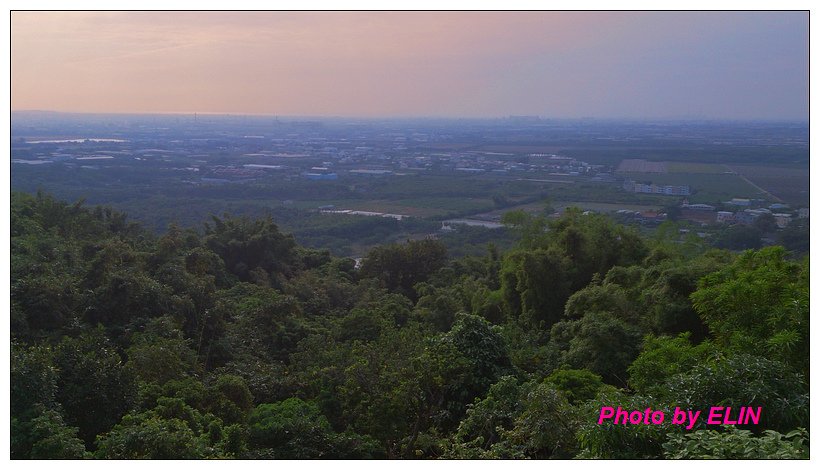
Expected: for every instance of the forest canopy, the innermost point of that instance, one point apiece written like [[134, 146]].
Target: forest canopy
[[232, 341]]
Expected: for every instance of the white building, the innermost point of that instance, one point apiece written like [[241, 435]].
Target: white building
[[651, 188]]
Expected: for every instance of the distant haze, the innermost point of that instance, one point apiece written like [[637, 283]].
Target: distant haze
[[734, 65]]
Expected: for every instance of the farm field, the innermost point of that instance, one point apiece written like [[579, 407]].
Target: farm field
[[446, 186], [789, 184], [538, 207], [683, 167], [520, 148], [418, 207], [607, 207], [641, 166]]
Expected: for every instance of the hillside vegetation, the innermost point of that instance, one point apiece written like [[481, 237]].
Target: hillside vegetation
[[232, 341]]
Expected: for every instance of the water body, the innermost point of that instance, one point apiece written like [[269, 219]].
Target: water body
[[73, 141], [31, 162], [255, 165], [474, 223]]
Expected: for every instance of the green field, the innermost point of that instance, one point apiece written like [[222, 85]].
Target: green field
[[607, 207], [419, 207], [682, 167], [789, 184]]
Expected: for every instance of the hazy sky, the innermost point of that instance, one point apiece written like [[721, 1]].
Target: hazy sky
[[553, 64]]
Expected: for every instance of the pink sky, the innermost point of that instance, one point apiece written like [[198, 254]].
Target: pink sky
[[561, 64]]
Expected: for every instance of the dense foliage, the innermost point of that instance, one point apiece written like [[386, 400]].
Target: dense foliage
[[235, 342]]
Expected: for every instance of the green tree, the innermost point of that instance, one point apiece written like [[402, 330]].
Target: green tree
[[438, 306], [530, 228], [45, 436], [53, 439], [93, 387], [739, 237], [664, 357], [158, 360], [487, 418], [738, 444], [607, 297], [252, 248], [765, 224], [229, 398], [594, 244], [743, 380], [530, 420], [796, 237], [546, 427], [665, 292], [295, 429], [361, 325], [171, 430], [578, 385], [759, 302], [484, 352], [33, 379], [536, 285], [597, 342], [400, 267], [151, 437], [618, 441], [264, 324], [125, 296]]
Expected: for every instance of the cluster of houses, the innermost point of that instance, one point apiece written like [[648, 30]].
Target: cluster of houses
[[747, 212]]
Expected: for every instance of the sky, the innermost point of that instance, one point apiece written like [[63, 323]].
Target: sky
[[714, 65]]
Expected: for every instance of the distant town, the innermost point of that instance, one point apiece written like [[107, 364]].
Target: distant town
[[453, 173]]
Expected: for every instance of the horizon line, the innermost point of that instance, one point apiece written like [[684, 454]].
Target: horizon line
[[421, 117]]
